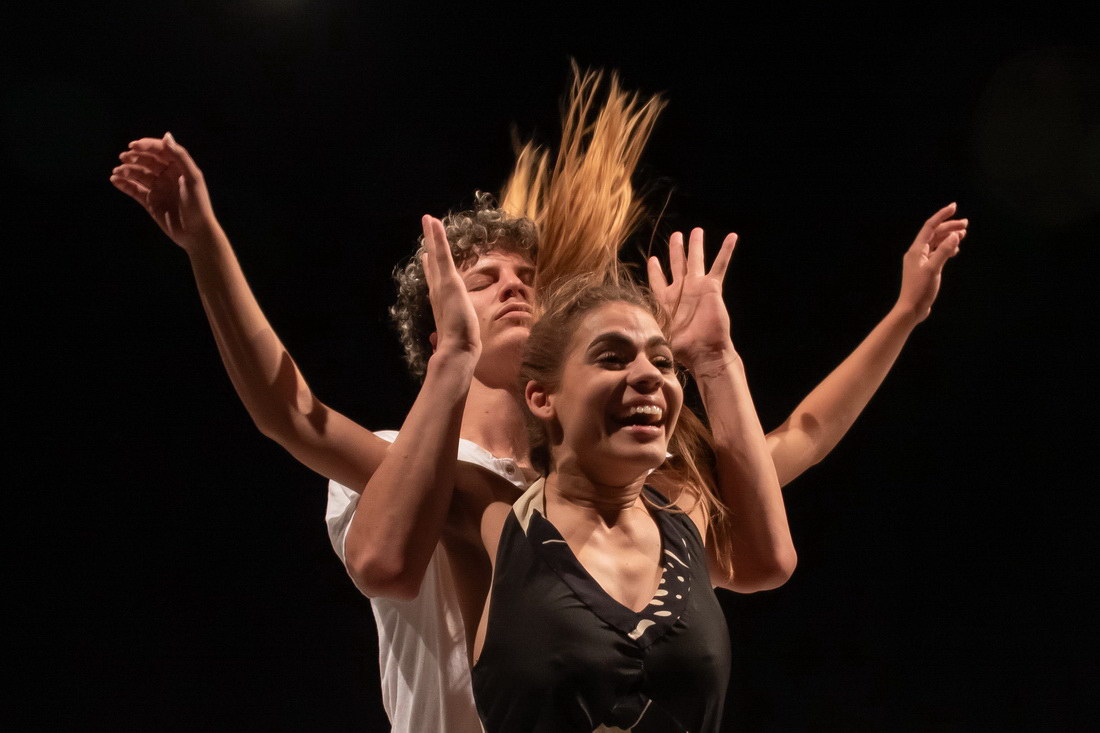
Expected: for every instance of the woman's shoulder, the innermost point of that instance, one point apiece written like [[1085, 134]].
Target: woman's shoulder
[[675, 497], [671, 491]]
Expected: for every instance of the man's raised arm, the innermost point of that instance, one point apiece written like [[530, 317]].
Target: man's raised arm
[[160, 175]]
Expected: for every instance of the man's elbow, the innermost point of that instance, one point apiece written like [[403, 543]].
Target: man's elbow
[[277, 427], [287, 422]]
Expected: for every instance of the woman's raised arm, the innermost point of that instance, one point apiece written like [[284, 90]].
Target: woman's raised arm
[[825, 415], [763, 551], [402, 511]]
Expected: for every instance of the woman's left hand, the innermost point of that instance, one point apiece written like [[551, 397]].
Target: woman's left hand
[[936, 242], [700, 324]]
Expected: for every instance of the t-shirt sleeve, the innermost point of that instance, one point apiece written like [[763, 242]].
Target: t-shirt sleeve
[[341, 506]]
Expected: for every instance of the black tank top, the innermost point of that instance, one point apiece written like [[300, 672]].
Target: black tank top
[[562, 655]]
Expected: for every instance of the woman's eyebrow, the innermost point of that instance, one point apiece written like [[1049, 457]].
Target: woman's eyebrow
[[616, 337], [658, 341], [620, 338]]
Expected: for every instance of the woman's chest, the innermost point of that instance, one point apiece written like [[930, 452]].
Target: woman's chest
[[626, 566]]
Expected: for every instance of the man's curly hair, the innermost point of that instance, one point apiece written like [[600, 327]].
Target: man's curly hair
[[472, 233]]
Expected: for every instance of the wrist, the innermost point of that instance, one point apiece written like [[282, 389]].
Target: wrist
[[454, 359], [203, 242], [904, 315], [712, 361], [447, 379]]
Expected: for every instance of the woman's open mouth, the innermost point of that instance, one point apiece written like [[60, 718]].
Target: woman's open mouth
[[642, 420]]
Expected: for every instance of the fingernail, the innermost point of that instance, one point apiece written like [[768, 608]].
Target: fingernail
[[169, 138]]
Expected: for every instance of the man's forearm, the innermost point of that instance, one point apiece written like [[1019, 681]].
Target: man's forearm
[[258, 364], [267, 380]]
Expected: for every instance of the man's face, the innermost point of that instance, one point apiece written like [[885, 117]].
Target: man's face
[[501, 288]]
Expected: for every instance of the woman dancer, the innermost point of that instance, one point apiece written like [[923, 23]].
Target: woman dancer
[[601, 613]]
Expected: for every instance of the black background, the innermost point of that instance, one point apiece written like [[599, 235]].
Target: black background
[[173, 568]]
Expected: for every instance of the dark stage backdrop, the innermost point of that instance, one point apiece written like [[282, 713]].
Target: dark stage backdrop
[[173, 568]]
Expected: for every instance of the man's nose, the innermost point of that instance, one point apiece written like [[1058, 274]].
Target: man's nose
[[512, 286]]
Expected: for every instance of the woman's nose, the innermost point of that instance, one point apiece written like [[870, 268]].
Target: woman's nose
[[644, 376]]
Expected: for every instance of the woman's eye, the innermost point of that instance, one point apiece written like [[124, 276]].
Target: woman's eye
[[477, 285], [611, 358], [664, 363]]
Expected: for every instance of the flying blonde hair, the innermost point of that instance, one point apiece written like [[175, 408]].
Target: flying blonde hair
[[582, 201], [570, 213]]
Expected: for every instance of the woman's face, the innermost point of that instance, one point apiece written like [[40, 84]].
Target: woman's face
[[617, 399]]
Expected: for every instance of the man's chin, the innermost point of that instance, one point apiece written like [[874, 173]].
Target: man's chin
[[499, 363], [509, 341]]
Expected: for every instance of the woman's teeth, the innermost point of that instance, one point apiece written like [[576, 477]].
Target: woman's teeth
[[652, 412]]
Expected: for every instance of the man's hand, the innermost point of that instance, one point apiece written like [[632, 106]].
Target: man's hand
[[161, 176]]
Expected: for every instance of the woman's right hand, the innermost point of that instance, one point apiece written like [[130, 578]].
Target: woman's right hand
[[457, 330], [161, 176]]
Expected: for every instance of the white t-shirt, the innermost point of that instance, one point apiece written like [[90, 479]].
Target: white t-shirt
[[422, 643]]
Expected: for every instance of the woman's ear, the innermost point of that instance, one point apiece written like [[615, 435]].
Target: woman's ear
[[538, 401]]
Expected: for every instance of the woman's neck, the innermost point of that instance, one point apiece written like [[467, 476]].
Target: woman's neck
[[572, 490]]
